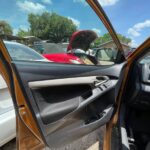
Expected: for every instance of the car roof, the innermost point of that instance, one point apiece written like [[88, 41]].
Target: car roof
[[12, 43]]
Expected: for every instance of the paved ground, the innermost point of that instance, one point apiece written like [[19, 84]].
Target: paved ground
[[92, 141]]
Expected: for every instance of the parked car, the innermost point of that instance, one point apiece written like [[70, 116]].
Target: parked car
[[130, 52], [63, 58], [75, 53], [7, 115], [19, 51], [58, 103]]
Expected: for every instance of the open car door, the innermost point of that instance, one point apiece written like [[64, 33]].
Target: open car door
[[58, 103]]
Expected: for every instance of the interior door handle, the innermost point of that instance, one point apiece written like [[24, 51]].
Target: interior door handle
[[101, 80], [96, 92]]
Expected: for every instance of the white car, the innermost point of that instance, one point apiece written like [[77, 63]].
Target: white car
[[7, 115]]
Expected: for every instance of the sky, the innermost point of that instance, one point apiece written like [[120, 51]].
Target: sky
[[129, 17]]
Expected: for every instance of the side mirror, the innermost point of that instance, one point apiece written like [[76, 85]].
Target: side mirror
[[105, 55]]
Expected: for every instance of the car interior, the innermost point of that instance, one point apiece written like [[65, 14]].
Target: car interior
[[61, 97], [137, 102]]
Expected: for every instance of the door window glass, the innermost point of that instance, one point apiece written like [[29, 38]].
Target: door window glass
[[61, 32]]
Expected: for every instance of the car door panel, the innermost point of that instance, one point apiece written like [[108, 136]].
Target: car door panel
[[69, 101], [62, 102]]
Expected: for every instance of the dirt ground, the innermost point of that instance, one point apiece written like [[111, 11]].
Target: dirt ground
[[93, 141]]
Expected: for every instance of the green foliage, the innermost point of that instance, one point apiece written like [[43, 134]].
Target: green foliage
[[106, 38], [124, 39], [5, 28], [23, 33], [51, 26]]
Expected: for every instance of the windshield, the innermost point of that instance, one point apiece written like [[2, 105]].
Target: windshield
[[130, 18], [21, 52]]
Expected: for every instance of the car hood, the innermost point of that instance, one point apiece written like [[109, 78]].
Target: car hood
[[61, 57]]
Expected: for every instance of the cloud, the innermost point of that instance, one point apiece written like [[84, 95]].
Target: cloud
[[47, 1], [28, 6], [102, 2], [23, 27], [75, 21], [135, 30], [133, 43], [97, 31], [108, 2], [80, 1]]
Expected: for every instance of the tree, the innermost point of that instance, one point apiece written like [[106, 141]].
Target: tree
[[51, 26], [106, 38], [23, 33], [124, 39], [5, 28]]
